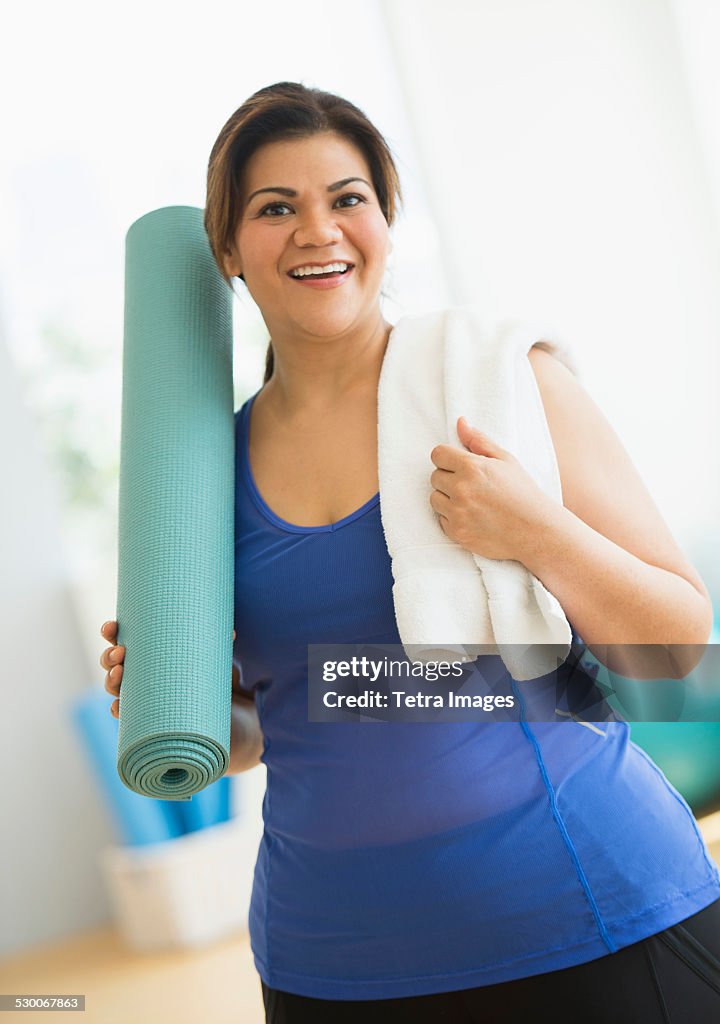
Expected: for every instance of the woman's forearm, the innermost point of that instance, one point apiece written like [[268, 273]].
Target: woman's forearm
[[246, 738], [637, 619]]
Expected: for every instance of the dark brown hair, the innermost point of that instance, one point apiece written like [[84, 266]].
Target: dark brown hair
[[287, 110]]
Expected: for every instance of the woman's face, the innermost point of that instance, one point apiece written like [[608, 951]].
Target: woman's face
[[308, 214]]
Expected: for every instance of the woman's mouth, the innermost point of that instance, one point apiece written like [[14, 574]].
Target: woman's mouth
[[332, 279]]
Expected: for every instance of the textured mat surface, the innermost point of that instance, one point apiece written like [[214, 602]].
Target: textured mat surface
[[176, 510]]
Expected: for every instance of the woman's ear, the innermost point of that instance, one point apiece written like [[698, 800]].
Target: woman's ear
[[231, 263]]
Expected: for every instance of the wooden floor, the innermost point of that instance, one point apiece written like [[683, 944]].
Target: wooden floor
[[217, 984]]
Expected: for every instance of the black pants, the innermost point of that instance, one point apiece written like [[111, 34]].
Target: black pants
[[672, 977]]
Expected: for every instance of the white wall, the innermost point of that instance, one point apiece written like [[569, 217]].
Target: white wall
[[698, 27], [52, 821], [567, 179]]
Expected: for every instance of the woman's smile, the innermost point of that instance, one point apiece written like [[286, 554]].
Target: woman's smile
[[322, 281]]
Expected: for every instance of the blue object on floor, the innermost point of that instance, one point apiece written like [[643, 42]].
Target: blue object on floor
[[137, 820], [208, 807]]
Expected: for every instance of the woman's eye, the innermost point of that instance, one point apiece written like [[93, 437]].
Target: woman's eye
[[353, 196], [273, 206]]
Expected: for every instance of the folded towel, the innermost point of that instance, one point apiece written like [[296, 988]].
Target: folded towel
[[449, 602]]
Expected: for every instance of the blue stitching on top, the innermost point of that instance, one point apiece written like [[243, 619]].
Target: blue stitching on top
[[561, 824]]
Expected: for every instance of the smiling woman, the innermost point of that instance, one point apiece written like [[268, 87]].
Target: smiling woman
[[463, 871], [271, 145]]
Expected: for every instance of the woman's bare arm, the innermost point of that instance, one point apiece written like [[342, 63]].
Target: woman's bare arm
[[608, 555]]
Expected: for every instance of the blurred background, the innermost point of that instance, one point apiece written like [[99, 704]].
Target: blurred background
[[559, 159]]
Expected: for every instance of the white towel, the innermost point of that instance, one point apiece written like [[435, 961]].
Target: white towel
[[451, 604]]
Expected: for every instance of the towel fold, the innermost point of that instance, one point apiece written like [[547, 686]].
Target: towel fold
[[449, 603]]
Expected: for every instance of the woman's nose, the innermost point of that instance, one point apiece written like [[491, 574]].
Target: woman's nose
[[317, 227]]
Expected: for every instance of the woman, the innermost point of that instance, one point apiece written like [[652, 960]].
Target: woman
[[456, 871]]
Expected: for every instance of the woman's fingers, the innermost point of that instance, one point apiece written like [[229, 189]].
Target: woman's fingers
[[112, 659], [112, 656], [108, 630], [113, 680]]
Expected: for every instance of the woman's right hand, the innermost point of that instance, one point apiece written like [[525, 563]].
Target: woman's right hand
[[112, 659]]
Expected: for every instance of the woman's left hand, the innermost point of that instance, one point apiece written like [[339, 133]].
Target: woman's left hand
[[486, 500]]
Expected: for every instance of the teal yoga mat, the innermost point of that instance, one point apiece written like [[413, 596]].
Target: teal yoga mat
[[176, 510]]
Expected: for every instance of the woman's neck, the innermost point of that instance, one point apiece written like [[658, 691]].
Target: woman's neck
[[300, 385]]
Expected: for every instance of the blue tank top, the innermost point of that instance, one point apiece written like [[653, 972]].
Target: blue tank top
[[406, 858]]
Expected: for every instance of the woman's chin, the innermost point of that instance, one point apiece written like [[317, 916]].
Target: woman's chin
[[326, 324]]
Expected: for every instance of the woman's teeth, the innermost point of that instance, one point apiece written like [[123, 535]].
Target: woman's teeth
[[328, 271]]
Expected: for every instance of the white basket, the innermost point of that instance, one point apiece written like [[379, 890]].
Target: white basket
[[183, 892]]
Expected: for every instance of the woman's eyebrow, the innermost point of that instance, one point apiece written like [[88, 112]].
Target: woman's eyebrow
[[291, 191]]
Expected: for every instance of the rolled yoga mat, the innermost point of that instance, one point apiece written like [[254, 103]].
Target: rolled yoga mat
[[176, 510]]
